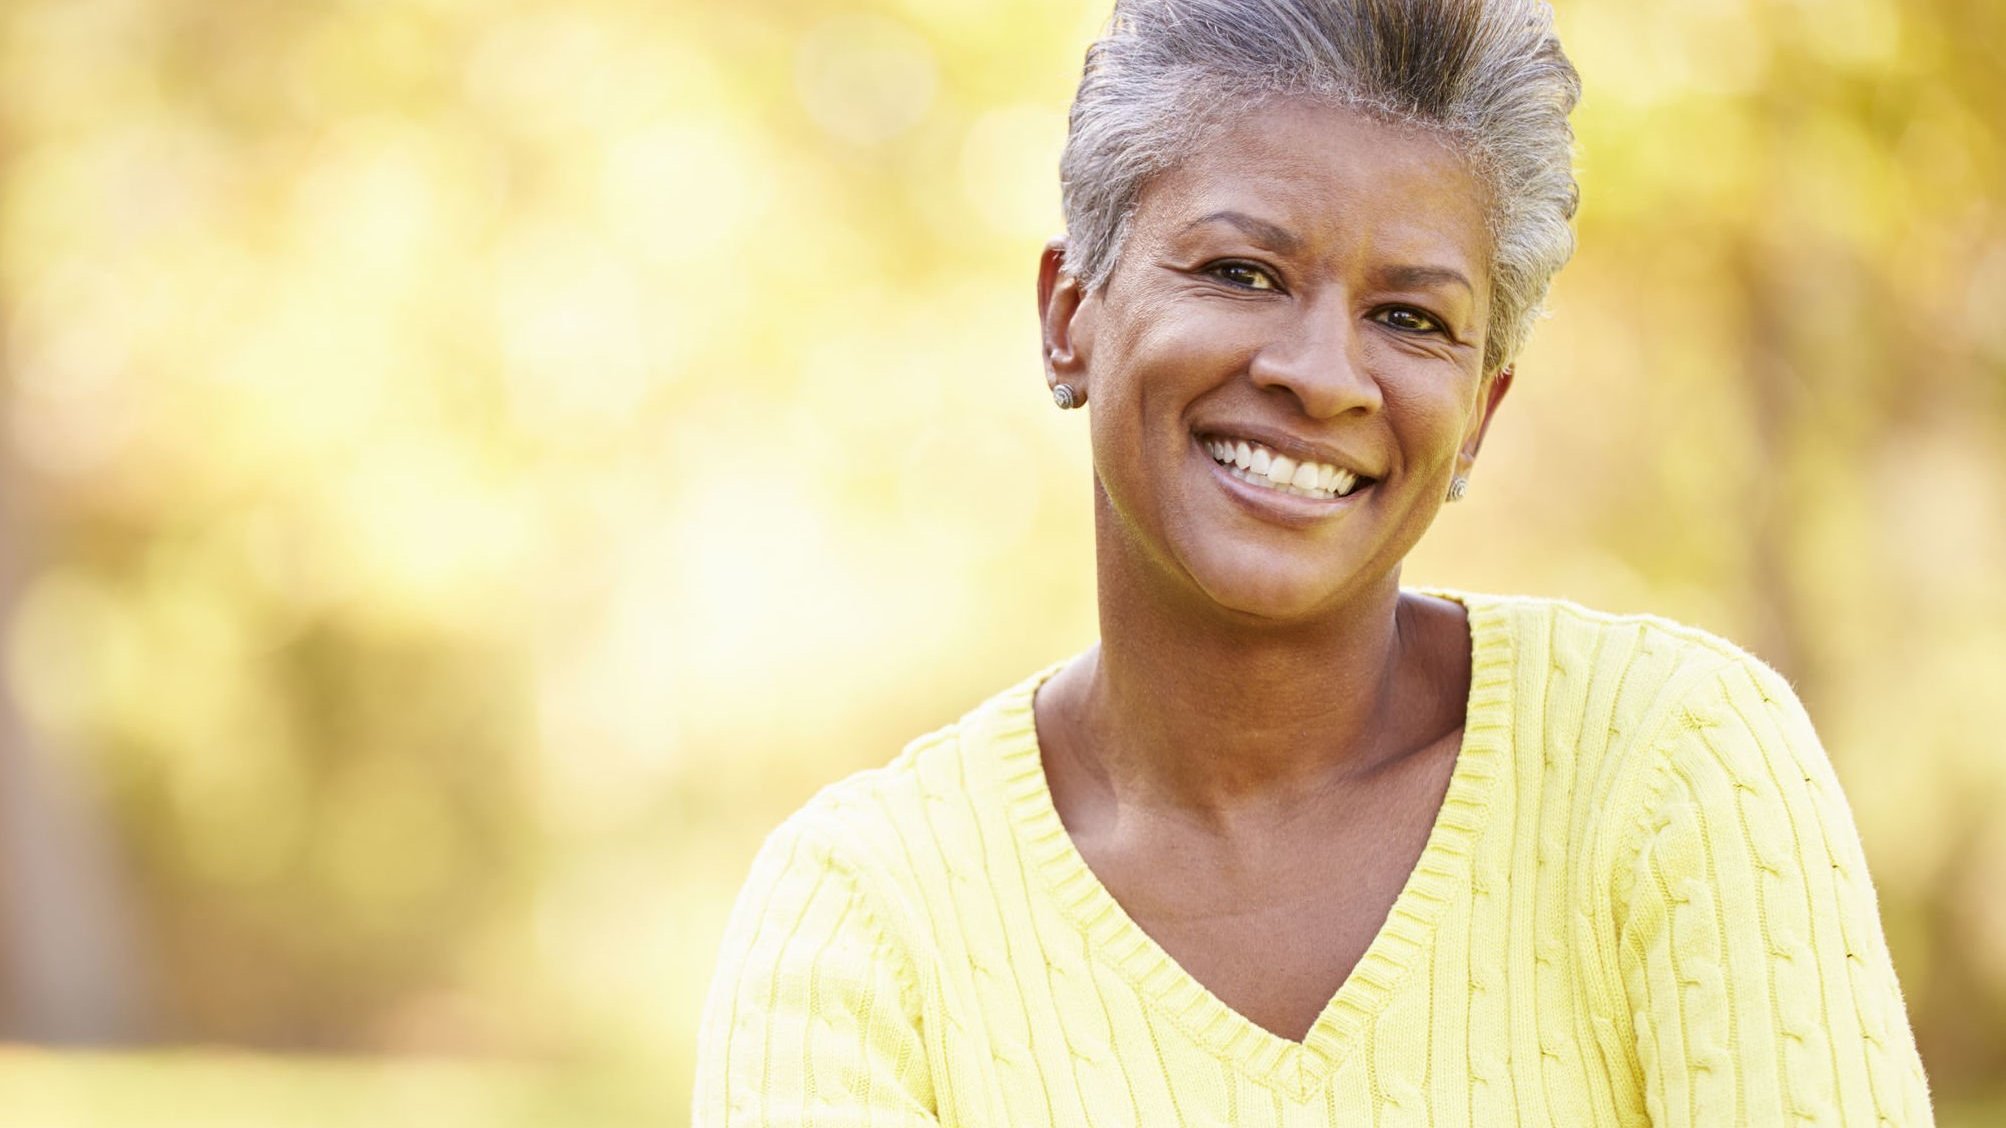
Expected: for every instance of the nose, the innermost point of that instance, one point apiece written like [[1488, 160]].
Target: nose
[[1320, 360]]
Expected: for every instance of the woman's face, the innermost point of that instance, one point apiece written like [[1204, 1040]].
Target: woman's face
[[1286, 363]]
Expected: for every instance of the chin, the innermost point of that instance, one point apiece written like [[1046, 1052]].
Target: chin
[[1274, 590]]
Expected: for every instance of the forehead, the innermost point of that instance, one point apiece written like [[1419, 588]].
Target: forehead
[[1338, 180]]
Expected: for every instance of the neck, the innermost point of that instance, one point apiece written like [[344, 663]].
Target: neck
[[1189, 711]]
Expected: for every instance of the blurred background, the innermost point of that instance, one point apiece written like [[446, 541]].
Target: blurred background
[[469, 469]]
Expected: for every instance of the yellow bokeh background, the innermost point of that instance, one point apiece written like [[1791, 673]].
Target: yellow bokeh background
[[468, 470]]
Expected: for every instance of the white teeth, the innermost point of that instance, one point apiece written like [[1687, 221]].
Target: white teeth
[[1253, 463], [1266, 484]]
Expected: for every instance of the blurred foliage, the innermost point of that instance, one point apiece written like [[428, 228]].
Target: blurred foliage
[[470, 469], [215, 1089]]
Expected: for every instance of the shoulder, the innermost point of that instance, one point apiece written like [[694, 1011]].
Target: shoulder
[[1633, 702], [1636, 669], [1724, 899], [1683, 742], [899, 830], [1574, 637], [1633, 668], [1691, 759], [1738, 753]]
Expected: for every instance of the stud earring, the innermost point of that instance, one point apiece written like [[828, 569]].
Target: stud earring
[[1065, 397], [1458, 486]]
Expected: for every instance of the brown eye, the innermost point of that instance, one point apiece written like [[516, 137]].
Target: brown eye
[[1245, 275], [1411, 320]]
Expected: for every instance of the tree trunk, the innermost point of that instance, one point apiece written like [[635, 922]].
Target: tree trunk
[[67, 969]]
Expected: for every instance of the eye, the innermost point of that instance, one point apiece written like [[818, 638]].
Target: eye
[[1407, 319], [1245, 275]]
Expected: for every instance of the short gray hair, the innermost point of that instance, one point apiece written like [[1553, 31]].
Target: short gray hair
[[1487, 74]]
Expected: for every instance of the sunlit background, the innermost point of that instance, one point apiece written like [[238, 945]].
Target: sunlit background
[[468, 469]]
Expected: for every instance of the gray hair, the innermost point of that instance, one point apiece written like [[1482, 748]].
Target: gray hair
[[1487, 74]]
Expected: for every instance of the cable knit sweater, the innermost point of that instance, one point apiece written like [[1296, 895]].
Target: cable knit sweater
[[1642, 902]]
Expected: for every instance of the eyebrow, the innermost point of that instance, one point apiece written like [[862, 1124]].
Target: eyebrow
[[1282, 239], [1259, 230], [1421, 277]]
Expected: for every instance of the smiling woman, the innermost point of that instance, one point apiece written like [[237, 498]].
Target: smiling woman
[[1320, 312], [1293, 844]]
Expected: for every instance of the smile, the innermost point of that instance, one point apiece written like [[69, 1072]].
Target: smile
[[1256, 465]]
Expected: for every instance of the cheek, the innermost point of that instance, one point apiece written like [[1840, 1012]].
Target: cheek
[[1143, 368], [1429, 409], [1186, 351]]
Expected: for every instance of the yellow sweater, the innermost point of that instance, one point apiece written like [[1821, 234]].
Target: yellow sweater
[[1643, 902]]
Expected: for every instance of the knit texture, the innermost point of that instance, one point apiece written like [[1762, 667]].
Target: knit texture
[[1643, 902]]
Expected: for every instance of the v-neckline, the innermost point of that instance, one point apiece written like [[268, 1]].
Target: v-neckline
[[1441, 874]]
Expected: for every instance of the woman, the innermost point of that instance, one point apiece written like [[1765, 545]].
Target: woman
[[1291, 844]]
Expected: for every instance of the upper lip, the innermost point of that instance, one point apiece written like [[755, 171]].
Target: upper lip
[[1300, 449]]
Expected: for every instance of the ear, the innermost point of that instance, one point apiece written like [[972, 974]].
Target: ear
[[1067, 334], [1490, 394]]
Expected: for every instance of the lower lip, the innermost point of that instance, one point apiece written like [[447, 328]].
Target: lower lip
[[1281, 508]]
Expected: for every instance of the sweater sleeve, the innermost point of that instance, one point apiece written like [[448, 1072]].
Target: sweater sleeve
[[811, 1017], [1751, 947]]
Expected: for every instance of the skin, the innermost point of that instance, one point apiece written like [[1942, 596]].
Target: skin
[[1253, 757]]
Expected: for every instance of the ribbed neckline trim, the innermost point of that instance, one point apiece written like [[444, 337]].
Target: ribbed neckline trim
[[1442, 872]]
